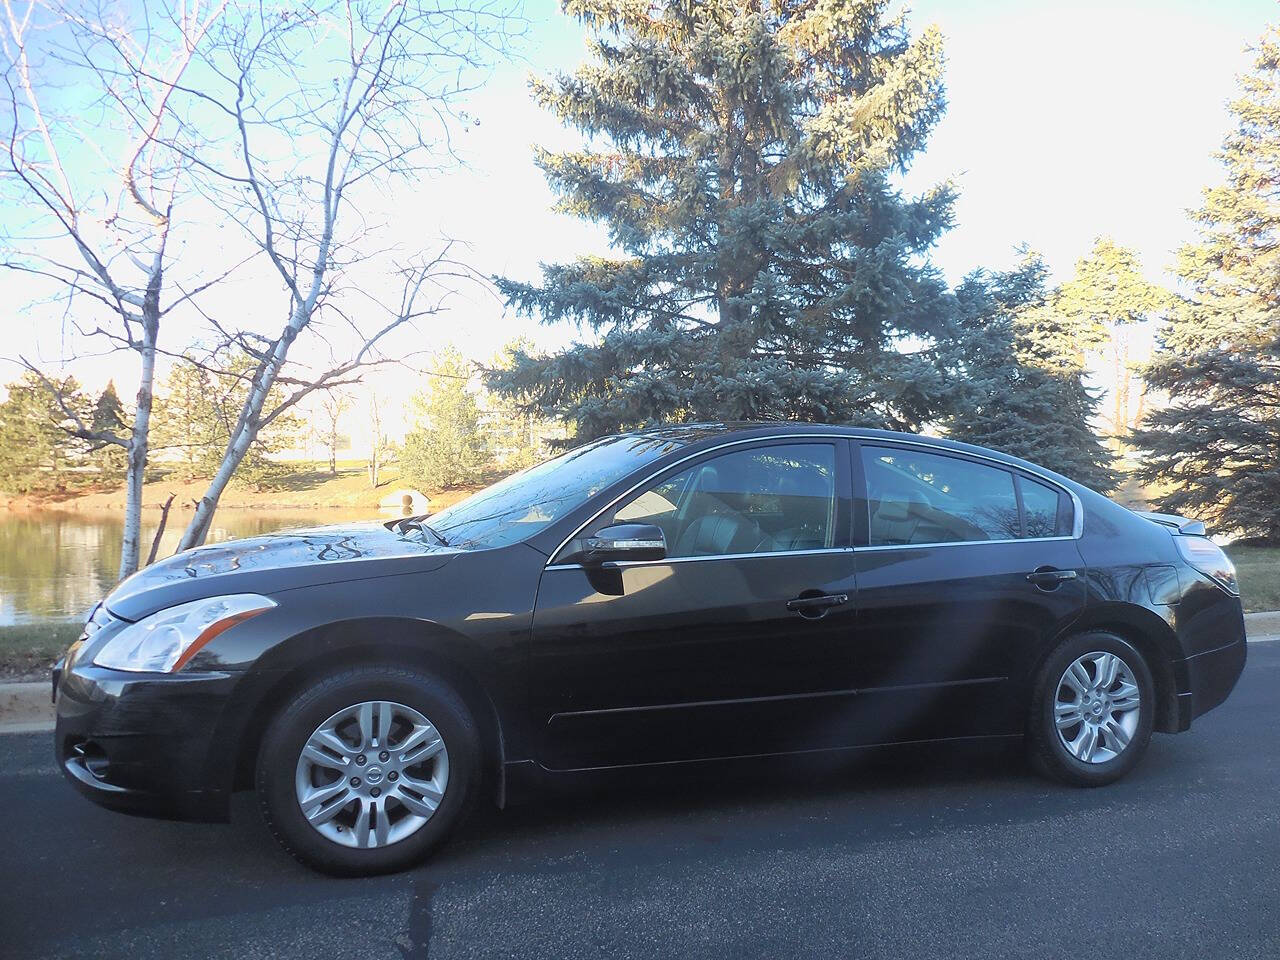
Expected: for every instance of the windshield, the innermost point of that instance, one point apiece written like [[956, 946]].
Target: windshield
[[526, 502]]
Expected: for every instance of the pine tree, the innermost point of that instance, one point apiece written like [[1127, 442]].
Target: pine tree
[[1018, 368], [196, 411], [37, 452], [741, 156], [111, 459], [1109, 298], [447, 447], [1216, 446], [518, 436], [185, 429]]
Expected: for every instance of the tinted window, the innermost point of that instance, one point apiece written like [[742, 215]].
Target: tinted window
[[916, 497], [762, 500], [526, 502], [1042, 507]]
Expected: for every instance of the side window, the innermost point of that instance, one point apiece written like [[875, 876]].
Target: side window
[[762, 500], [917, 497], [1043, 508]]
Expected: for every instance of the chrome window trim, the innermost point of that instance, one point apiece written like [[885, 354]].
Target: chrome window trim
[[1077, 519], [621, 564], [954, 543]]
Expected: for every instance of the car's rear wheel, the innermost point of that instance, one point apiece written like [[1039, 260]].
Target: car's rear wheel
[[1092, 710], [368, 769]]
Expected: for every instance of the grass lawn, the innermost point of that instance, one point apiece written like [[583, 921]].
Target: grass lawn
[[1259, 570], [28, 650]]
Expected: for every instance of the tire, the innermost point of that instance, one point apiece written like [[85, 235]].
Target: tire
[[1119, 738], [393, 835]]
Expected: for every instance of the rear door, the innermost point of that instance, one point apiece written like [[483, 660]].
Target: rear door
[[738, 643], [966, 570]]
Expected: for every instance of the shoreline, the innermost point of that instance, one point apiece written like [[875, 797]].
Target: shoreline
[[309, 489], [72, 506]]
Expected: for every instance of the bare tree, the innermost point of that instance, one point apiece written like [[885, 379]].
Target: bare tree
[[329, 104], [91, 162], [333, 406], [379, 443]]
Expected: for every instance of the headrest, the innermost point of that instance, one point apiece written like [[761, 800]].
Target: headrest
[[904, 506], [708, 479]]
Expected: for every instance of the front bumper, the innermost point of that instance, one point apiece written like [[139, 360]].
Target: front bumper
[[141, 743]]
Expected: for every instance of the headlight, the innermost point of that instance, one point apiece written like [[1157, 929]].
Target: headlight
[[165, 641], [1207, 557]]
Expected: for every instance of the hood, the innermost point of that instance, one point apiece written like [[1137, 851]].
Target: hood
[[274, 562]]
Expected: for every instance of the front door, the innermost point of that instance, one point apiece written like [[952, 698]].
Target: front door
[[967, 572], [738, 643]]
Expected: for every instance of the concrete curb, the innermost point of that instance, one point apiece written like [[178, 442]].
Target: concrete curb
[[1261, 626], [25, 707]]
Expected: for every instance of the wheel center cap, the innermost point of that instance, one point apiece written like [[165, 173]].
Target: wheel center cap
[[1097, 708], [373, 775]]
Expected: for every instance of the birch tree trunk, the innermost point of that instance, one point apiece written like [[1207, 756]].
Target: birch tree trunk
[[139, 448], [245, 433], [401, 66], [101, 231]]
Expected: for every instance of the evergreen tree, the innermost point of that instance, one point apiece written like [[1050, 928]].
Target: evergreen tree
[[185, 428], [1216, 446], [447, 447], [742, 155], [109, 415], [518, 436], [1108, 299], [1018, 369], [196, 412], [38, 454]]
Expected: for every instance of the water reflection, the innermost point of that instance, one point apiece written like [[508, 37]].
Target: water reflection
[[58, 565]]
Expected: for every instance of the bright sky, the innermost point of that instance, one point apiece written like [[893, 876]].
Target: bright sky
[[1066, 120]]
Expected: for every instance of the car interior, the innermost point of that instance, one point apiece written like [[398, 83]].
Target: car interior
[[905, 508], [748, 502]]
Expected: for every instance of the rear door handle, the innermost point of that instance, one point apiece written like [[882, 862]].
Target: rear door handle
[[1050, 577], [816, 606]]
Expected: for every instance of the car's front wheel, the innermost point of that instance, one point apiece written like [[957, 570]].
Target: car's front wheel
[[1092, 710], [367, 770]]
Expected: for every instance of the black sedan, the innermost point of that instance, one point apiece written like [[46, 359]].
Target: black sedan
[[689, 594]]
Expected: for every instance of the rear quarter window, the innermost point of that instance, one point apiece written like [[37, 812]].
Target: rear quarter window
[[1046, 509]]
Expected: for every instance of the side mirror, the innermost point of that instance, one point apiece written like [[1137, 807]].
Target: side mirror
[[622, 541]]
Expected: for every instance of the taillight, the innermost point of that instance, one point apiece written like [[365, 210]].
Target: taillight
[[1209, 558]]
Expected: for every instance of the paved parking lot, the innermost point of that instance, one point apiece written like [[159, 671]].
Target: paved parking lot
[[971, 857]]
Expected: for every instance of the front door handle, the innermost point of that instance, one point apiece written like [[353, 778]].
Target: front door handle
[[1050, 578], [815, 606]]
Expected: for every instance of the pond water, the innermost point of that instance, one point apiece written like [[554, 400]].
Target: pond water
[[57, 565]]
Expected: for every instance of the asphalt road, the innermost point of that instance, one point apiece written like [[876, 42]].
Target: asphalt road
[[967, 857]]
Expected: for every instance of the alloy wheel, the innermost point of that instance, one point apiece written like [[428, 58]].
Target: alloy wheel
[[1097, 707], [372, 774]]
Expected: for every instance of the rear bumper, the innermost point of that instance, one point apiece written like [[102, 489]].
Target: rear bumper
[[139, 743], [1213, 675], [1210, 678]]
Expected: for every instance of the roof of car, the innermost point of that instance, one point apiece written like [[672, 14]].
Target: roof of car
[[698, 434]]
